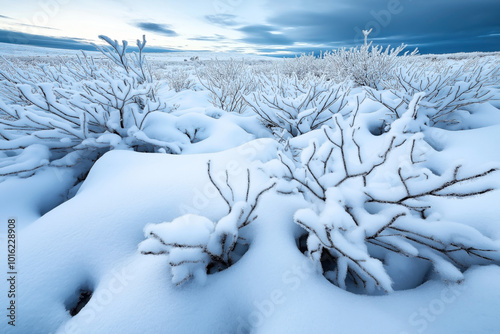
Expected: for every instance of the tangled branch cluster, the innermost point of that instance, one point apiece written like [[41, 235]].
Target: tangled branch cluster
[[446, 89], [77, 110], [364, 206], [228, 82], [291, 107], [367, 65]]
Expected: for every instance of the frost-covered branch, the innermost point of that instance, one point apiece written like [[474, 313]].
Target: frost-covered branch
[[77, 110], [179, 79], [366, 65], [136, 65], [366, 205], [447, 89], [227, 82], [291, 107], [197, 246]]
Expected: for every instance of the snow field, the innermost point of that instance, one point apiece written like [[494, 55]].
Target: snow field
[[240, 257]]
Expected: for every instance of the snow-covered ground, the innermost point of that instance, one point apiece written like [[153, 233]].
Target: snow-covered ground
[[75, 238]]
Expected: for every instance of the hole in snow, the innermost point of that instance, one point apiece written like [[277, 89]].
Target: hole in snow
[[239, 250], [328, 262], [78, 301], [378, 128], [302, 243]]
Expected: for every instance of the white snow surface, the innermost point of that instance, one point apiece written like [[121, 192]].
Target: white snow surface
[[91, 241]]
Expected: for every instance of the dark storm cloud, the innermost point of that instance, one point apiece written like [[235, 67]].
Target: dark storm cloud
[[263, 35], [14, 37], [226, 20], [456, 24], [162, 29]]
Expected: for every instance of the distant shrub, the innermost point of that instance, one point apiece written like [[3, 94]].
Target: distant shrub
[[301, 67], [446, 89], [227, 82], [366, 65], [291, 107], [179, 79]]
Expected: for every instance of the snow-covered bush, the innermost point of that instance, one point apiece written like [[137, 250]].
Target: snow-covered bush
[[367, 206], [227, 82], [197, 246], [448, 89], [291, 107], [76, 111], [366, 65], [179, 79], [134, 65], [303, 66]]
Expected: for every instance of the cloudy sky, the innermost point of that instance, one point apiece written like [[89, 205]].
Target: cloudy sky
[[255, 26]]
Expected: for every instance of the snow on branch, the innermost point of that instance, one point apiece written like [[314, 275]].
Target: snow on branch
[[290, 106], [448, 89], [228, 82], [179, 79], [136, 66], [81, 106], [367, 65], [197, 246], [367, 204]]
